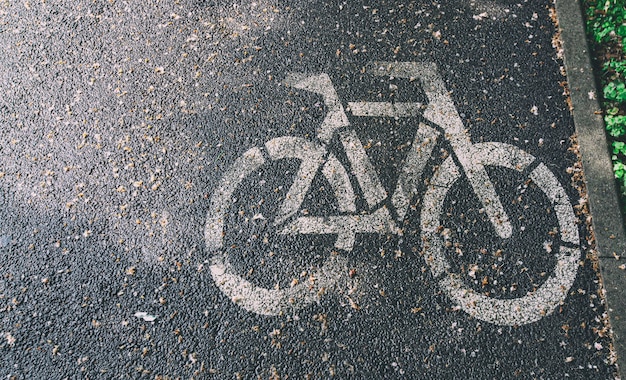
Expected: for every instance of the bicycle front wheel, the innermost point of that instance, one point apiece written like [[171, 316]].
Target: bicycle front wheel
[[512, 281]]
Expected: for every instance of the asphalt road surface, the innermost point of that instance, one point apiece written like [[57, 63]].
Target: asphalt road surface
[[292, 190]]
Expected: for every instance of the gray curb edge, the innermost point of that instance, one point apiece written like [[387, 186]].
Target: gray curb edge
[[601, 188]]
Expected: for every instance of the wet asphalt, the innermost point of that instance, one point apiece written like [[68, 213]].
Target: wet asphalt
[[118, 120]]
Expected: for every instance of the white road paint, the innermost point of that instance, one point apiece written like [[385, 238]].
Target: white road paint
[[276, 301], [411, 173], [344, 226], [432, 209], [247, 295], [489, 10], [311, 156], [372, 189], [145, 316], [516, 311], [385, 109], [441, 111], [473, 159], [321, 84], [222, 196], [336, 174]]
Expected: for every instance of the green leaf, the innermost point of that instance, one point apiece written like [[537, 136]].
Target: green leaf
[[612, 111], [619, 147], [615, 91], [619, 169], [615, 125]]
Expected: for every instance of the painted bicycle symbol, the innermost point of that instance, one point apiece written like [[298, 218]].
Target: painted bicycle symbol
[[468, 161]]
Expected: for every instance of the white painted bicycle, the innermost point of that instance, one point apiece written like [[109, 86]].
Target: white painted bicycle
[[467, 161]]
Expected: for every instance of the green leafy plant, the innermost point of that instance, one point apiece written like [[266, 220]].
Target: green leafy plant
[[615, 125], [606, 20], [615, 91], [620, 171], [615, 65], [619, 148]]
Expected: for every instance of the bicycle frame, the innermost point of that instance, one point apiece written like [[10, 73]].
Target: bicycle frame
[[440, 111]]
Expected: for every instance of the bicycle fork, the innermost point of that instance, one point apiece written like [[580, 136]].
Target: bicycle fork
[[440, 111]]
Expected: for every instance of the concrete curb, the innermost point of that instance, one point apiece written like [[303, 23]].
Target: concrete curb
[[601, 188]]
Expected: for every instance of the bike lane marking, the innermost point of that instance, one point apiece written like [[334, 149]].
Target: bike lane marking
[[563, 208], [523, 310], [240, 291], [345, 226], [276, 302]]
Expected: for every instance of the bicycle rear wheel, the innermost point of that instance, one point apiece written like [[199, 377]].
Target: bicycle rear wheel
[[263, 190], [470, 262]]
